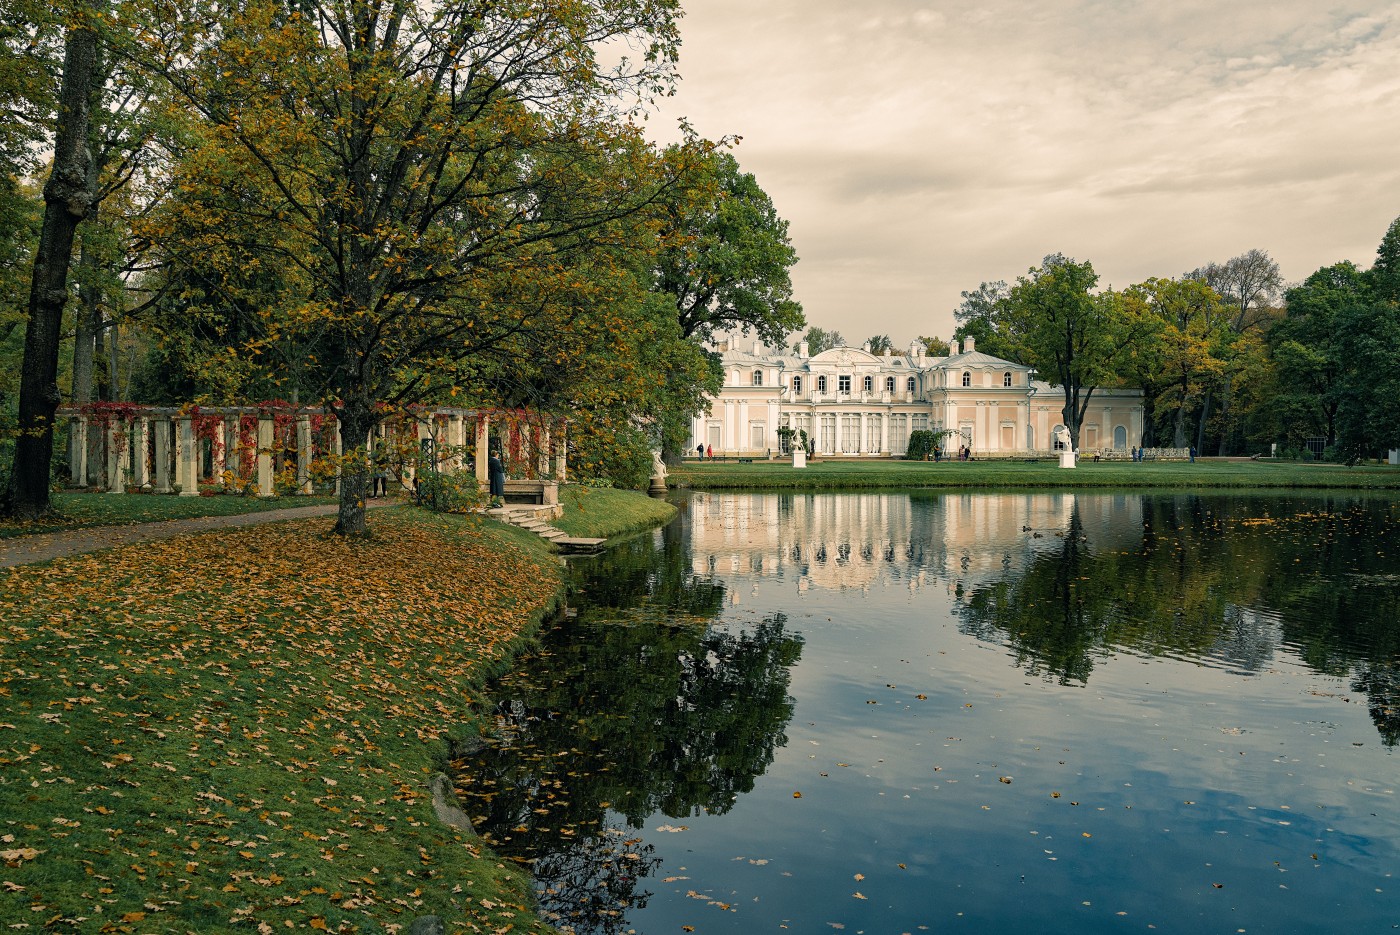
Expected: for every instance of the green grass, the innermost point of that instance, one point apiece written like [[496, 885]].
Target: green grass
[[603, 512], [81, 510], [823, 474], [234, 732]]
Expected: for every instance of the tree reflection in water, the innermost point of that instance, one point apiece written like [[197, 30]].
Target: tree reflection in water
[[638, 707], [1229, 579]]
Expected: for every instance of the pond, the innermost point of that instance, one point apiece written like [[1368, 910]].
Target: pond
[[973, 713]]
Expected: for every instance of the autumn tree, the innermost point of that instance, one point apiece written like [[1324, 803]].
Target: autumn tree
[[981, 315], [1177, 356], [1249, 285], [407, 161], [935, 346], [1054, 321], [727, 259]]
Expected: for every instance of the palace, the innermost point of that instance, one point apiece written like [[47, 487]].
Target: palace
[[852, 403]]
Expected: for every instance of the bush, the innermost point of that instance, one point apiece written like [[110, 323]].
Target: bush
[[458, 492], [921, 444]]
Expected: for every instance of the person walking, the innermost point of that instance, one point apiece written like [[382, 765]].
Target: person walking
[[496, 474]]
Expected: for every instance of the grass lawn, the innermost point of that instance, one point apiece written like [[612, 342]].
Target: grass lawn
[[79, 510], [235, 731], [824, 474], [601, 511]]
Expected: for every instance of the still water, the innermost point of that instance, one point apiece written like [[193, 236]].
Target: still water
[[971, 713]]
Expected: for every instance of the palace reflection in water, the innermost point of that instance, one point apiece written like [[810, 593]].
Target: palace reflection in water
[[847, 647]]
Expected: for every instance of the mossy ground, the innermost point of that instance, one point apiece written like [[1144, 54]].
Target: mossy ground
[[234, 731]]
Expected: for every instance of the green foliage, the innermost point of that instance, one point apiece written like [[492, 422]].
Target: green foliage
[[819, 339], [727, 260], [449, 492], [922, 443]]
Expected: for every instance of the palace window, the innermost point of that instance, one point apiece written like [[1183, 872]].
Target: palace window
[[967, 378], [889, 384], [1006, 378], [758, 378], [869, 384], [821, 383], [843, 383], [909, 384], [797, 384]]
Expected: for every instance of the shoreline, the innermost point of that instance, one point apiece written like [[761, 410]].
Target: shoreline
[[241, 728]]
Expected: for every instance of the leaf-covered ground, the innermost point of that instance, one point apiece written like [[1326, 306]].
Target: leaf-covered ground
[[235, 731]]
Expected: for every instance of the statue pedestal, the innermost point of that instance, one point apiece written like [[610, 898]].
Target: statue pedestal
[[658, 485], [1066, 458], [799, 457]]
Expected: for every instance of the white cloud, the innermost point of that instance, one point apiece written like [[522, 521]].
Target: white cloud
[[919, 147]]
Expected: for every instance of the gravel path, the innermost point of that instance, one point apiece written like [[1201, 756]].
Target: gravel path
[[41, 547]]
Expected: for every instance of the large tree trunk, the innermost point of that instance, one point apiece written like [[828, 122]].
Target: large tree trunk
[[1225, 427], [66, 200], [356, 421]]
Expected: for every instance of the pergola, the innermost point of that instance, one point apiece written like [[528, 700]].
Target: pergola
[[119, 447]]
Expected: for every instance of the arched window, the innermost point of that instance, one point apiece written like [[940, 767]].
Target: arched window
[[1006, 378], [758, 378], [797, 384], [821, 383], [889, 384], [909, 384], [869, 384], [967, 378]]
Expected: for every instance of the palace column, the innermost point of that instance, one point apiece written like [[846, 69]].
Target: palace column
[[885, 431]]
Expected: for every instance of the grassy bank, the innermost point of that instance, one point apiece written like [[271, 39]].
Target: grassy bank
[[833, 475], [601, 511], [235, 731], [80, 510]]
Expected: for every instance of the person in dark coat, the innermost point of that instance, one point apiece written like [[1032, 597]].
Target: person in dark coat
[[496, 472]]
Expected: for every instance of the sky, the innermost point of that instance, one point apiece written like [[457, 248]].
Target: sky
[[918, 148]]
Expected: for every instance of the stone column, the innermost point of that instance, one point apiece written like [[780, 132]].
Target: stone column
[[561, 457], [77, 442], [118, 458], [483, 438], [339, 456], [162, 454], [864, 444], [304, 454], [885, 433], [187, 458], [220, 446], [233, 449], [141, 438], [456, 440], [265, 427]]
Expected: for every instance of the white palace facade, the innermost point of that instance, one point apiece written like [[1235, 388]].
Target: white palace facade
[[852, 403]]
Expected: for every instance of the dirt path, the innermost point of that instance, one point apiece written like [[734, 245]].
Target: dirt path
[[41, 547]]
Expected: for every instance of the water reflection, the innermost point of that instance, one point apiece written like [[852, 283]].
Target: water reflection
[[640, 733], [608, 724]]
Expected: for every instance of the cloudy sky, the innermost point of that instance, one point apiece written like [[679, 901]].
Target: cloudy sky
[[920, 147]]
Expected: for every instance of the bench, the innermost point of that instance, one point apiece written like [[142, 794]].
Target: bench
[[543, 492], [746, 460]]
